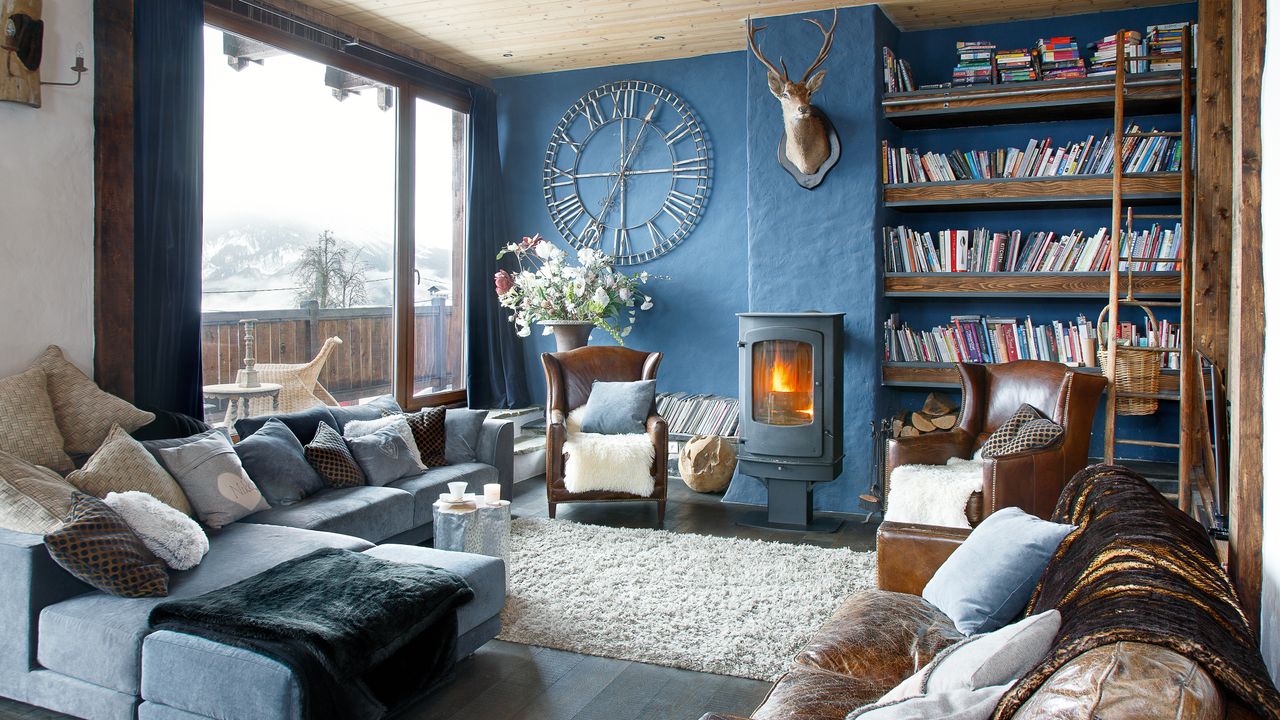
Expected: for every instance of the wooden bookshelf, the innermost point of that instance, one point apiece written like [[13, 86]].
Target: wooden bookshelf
[[1146, 285], [1034, 101], [1059, 191], [944, 375]]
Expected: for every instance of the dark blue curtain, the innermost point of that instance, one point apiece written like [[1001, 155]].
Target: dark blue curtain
[[495, 360], [168, 204]]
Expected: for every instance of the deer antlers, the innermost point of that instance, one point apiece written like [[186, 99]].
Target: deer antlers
[[828, 34]]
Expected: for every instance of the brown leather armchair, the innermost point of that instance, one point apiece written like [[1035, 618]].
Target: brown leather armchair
[[991, 394], [569, 377]]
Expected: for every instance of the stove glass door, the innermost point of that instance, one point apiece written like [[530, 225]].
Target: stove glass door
[[782, 382]]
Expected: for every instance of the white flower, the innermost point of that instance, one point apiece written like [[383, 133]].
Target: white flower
[[523, 332], [644, 277], [587, 256], [626, 331], [624, 293], [647, 304], [544, 250], [601, 296]]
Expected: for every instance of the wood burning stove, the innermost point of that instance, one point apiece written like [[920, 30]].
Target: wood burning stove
[[790, 380]]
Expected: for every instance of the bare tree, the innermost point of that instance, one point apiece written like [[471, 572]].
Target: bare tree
[[331, 273]]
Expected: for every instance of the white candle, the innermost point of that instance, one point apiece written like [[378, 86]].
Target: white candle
[[493, 493]]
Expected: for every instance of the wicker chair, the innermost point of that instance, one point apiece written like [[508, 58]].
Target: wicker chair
[[301, 383]]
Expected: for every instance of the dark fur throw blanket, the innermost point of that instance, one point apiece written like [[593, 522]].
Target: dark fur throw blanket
[[1139, 570], [364, 636]]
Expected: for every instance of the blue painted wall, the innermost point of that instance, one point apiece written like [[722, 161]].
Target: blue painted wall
[[693, 319]]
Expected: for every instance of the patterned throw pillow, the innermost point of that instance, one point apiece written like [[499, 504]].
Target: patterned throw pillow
[[329, 455], [29, 429], [214, 479], [123, 464], [33, 499], [97, 546], [428, 432], [1009, 438], [84, 412]]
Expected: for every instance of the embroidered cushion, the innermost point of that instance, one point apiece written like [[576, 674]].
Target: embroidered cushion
[[33, 499], [210, 472], [384, 455], [84, 412], [123, 464], [360, 428], [372, 410], [1001, 441], [29, 429], [429, 433], [97, 546], [173, 537], [329, 455]]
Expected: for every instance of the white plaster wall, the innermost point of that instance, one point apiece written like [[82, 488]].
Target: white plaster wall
[[1270, 627], [46, 204]]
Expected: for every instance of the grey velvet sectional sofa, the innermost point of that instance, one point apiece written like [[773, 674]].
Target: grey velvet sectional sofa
[[73, 649]]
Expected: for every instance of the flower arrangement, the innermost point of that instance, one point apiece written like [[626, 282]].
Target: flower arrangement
[[547, 287]]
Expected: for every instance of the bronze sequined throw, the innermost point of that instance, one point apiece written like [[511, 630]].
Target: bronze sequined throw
[[1137, 569]]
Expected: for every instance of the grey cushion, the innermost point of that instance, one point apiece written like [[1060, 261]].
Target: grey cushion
[[98, 638], [372, 513], [618, 408], [155, 446], [989, 579], [371, 410], [275, 462], [214, 480], [384, 456], [426, 487], [462, 434], [303, 423]]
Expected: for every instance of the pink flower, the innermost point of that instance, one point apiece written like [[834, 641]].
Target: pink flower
[[503, 282], [528, 242]]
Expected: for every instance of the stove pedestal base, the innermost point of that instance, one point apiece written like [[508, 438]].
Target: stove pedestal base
[[790, 508]]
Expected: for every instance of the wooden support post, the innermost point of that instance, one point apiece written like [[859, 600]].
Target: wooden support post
[[1211, 258], [1188, 362], [1113, 294]]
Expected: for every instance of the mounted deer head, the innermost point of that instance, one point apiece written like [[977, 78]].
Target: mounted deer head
[[807, 142]]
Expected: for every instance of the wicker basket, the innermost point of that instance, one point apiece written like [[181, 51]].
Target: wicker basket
[[1136, 371]]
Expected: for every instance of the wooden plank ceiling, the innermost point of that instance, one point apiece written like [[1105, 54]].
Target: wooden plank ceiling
[[498, 38]]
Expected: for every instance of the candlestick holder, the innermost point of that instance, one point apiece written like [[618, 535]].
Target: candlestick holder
[[248, 377]]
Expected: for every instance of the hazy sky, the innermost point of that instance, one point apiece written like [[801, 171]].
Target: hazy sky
[[281, 149]]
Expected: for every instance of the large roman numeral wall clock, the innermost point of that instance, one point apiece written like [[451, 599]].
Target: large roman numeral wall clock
[[627, 171]]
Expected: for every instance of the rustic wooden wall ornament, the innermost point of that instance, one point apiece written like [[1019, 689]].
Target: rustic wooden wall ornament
[[21, 40], [809, 147]]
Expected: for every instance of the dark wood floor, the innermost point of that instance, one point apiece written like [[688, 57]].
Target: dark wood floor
[[506, 681]]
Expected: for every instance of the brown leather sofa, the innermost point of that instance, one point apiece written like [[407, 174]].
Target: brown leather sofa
[[569, 378], [991, 394]]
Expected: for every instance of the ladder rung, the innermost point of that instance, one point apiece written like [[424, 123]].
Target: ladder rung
[[1150, 303], [1154, 133], [1143, 258], [1149, 396], [1147, 443], [1156, 216], [1143, 348], [1170, 56]]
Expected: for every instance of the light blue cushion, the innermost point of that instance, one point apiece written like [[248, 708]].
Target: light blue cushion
[[276, 463], [384, 456], [618, 408], [462, 434], [988, 580]]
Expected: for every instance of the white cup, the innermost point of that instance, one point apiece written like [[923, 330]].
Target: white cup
[[457, 489]]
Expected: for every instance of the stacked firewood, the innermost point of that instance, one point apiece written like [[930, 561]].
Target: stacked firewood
[[938, 413]]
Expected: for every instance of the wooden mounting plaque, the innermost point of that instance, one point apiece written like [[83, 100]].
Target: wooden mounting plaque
[[18, 83]]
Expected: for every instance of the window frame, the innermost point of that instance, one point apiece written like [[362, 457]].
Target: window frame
[[408, 91]]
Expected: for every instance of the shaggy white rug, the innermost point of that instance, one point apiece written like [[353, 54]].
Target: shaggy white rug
[[717, 605]]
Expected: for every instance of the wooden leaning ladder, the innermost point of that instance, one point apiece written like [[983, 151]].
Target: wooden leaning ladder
[[1187, 386]]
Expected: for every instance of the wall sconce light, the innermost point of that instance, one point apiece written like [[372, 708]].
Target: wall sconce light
[[79, 69]]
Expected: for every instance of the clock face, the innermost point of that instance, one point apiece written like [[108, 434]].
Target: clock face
[[627, 171]]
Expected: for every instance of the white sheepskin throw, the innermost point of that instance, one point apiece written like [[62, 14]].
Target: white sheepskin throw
[[933, 494], [619, 463], [174, 538]]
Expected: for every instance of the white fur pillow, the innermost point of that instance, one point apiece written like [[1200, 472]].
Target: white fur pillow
[[174, 538], [360, 428], [617, 463], [933, 494]]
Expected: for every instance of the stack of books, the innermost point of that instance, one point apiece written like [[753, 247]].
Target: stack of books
[[1103, 61], [974, 63], [1166, 40], [981, 339], [690, 414], [1060, 59], [1149, 153], [1152, 245], [1015, 65], [897, 74]]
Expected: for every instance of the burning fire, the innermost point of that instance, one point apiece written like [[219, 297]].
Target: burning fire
[[783, 379]]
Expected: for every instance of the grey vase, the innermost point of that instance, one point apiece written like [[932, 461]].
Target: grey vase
[[570, 334]]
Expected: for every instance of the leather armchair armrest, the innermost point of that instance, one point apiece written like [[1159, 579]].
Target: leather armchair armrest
[[555, 445], [1030, 480], [656, 427], [496, 447], [907, 555]]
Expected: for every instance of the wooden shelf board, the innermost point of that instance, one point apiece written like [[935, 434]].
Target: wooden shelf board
[[1032, 101], [1058, 191], [1029, 285], [939, 375]]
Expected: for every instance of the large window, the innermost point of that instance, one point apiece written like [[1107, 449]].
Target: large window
[[305, 218]]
